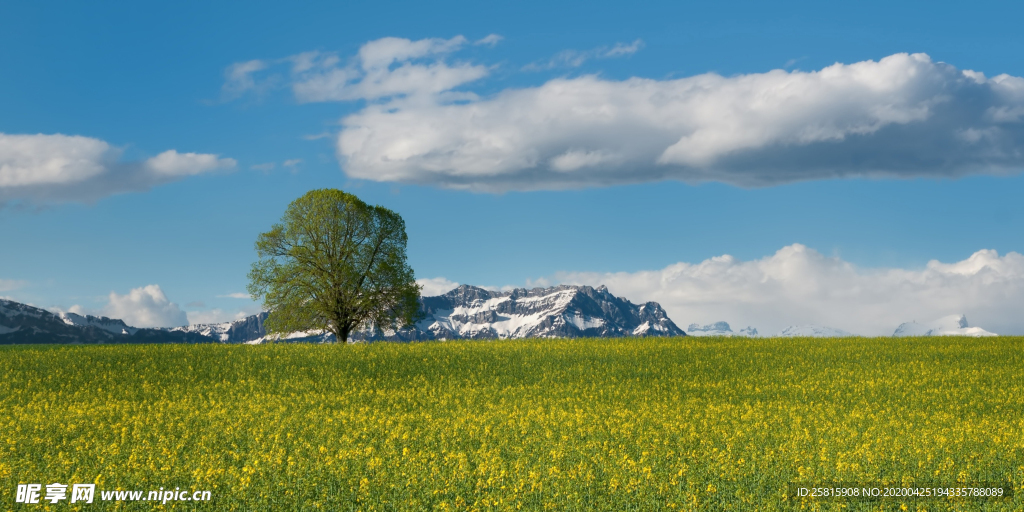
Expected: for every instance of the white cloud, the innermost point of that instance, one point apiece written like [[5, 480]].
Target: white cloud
[[389, 67], [44, 159], [59, 168], [293, 164], [408, 79], [436, 286], [172, 163], [236, 295], [900, 117], [622, 49], [576, 58], [490, 40], [381, 53], [238, 78], [799, 286], [573, 160], [384, 68], [145, 307], [903, 116], [9, 285]]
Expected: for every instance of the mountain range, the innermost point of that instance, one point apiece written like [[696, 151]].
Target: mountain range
[[21, 323], [467, 312]]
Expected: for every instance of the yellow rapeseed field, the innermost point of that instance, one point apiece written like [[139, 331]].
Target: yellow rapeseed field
[[589, 424]]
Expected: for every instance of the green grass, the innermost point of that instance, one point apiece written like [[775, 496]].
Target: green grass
[[623, 424]]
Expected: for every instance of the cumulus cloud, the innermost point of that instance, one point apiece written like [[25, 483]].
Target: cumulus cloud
[[173, 164], [236, 295], [27, 160], [60, 168], [902, 116], [436, 286], [145, 307], [799, 286]]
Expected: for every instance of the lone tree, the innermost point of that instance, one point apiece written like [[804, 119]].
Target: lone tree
[[334, 263]]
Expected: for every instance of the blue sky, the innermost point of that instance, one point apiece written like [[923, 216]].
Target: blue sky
[[180, 154]]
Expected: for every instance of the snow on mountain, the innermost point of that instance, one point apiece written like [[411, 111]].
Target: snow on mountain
[[719, 329], [465, 312], [951, 325], [468, 312], [250, 331], [10, 309], [812, 331], [239, 331], [295, 337], [21, 323], [564, 311], [107, 324]]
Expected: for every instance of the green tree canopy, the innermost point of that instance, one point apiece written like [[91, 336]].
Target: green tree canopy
[[334, 263]]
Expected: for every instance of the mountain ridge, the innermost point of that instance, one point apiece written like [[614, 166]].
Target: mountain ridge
[[467, 312], [564, 311], [25, 324]]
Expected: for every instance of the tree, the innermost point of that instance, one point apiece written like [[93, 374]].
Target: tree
[[334, 263]]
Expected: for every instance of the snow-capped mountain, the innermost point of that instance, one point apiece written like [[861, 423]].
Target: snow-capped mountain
[[564, 311], [812, 331], [719, 329], [239, 331], [250, 330], [952, 325], [111, 325], [466, 312], [21, 323]]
